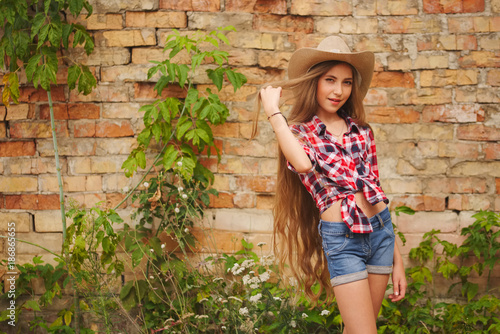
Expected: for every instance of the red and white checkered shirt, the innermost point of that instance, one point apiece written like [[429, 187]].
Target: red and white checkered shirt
[[339, 171]]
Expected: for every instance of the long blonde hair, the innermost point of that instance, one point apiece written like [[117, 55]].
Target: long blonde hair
[[296, 239]]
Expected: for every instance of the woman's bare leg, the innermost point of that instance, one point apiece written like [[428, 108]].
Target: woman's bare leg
[[355, 304], [378, 285]]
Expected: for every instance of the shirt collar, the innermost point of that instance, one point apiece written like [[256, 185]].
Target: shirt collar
[[316, 125]]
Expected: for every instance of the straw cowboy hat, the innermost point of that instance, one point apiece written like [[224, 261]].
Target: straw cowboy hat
[[333, 48]]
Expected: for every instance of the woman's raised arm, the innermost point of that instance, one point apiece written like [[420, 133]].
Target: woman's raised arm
[[291, 148]]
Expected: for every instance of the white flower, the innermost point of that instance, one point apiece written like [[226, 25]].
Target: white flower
[[254, 286], [201, 316], [176, 210], [293, 323], [180, 189], [126, 189], [256, 298], [151, 277], [184, 196], [217, 279], [264, 276], [267, 260], [277, 298], [304, 315], [325, 312], [244, 311], [203, 300], [246, 279], [151, 250], [162, 246], [223, 327], [146, 185], [260, 244], [179, 163], [186, 230]]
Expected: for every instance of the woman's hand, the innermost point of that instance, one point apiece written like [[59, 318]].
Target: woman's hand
[[398, 281], [270, 97]]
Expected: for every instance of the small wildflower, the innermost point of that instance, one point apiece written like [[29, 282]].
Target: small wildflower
[[151, 250], [203, 316], [293, 323], [184, 196], [325, 312], [203, 300], [180, 189], [277, 298], [256, 298], [217, 279], [246, 279], [223, 327], [244, 311], [254, 286], [304, 315], [151, 277], [264, 276], [179, 163], [260, 244], [186, 230], [176, 210], [162, 246], [146, 185], [126, 189]]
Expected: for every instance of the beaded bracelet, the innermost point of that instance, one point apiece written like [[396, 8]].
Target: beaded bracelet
[[278, 113]]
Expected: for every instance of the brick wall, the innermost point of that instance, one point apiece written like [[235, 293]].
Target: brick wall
[[434, 105]]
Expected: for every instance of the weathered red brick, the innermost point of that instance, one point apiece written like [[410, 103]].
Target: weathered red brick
[[453, 114], [111, 129], [458, 150], [17, 148], [3, 130], [493, 77], [191, 5], [392, 115], [224, 200], [30, 94], [32, 202], [145, 91], [478, 132], [156, 19], [40, 129], [83, 111], [472, 6], [265, 202], [283, 23], [480, 59], [420, 202], [257, 6], [261, 184], [492, 151], [393, 79], [210, 163], [455, 185], [60, 111], [497, 182], [244, 200], [84, 129], [467, 42], [229, 130]]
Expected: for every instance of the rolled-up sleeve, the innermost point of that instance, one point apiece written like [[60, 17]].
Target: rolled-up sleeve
[[306, 146]]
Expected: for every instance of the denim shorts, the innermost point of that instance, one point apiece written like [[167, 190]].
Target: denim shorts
[[351, 256]]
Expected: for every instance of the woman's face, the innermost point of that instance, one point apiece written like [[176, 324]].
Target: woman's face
[[334, 88]]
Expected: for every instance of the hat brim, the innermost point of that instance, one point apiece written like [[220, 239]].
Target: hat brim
[[303, 59]]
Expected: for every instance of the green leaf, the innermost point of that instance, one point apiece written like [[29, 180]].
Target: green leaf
[[87, 81], [36, 24], [129, 166], [125, 291], [73, 75], [217, 77], [55, 34], [75, 7], [183, 126], [236, 79], [404, 209], [68, 315], [141, 159], [32, 304], [169, 157], [32, 65], [144, 137], [66, 32], [182, 74]]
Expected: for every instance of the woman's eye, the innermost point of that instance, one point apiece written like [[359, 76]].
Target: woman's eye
[[348, 83]]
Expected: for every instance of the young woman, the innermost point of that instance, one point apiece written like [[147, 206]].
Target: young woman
[[331, 219]]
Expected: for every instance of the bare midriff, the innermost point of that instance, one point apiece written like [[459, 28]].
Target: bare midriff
[[333, 214]]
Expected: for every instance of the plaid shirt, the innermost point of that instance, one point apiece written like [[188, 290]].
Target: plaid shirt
[[339, 171]]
